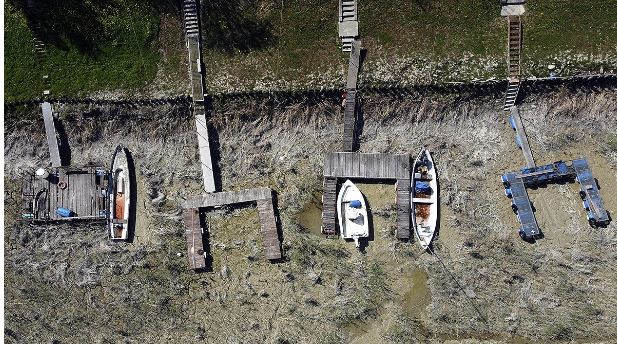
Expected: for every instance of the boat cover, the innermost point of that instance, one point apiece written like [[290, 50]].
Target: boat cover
[[355, 204], [423, 187]]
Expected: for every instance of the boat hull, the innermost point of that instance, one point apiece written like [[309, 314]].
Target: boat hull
[[119, 197], [424, 199], [352, 213]]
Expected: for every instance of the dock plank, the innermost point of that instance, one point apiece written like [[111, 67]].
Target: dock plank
[[366, 166], [50, 132], [194, 239]]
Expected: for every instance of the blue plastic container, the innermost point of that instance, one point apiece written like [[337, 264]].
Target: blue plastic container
[[355, 204], [508, 192], [64, 212]]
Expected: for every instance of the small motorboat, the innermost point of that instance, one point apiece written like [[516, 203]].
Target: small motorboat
[[424, 205], [119, 196], [352, 215]]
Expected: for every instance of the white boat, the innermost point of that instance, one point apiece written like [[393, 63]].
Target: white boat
[[352, 215], [119, 196], [424, 203]]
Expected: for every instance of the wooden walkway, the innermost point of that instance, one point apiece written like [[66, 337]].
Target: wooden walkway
[[81, 190], [194, 239], [522, 137], [265, 206], [349, 120], [366, 166], [190, 10], [50, 131]]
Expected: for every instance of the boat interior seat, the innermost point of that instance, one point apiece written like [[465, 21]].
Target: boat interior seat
[[119, 221]]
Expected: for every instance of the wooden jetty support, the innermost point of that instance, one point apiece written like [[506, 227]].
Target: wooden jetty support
[[521, 136], [50, 131], [263, 199], [81, 190], [372, 167], [190, 10]]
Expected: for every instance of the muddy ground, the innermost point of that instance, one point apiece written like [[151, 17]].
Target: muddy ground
[[69, 284]]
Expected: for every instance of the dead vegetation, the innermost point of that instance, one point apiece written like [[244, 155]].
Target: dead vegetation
[[69, 284]]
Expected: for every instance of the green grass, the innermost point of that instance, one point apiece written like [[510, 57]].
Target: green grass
[[271, 43], [119, 51], [304, 36]]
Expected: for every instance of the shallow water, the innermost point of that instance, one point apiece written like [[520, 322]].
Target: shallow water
[[310, 216]]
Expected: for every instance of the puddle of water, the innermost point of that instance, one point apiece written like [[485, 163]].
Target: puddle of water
[[310, 216], [418, 296]]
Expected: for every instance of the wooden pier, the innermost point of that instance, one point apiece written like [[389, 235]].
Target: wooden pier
[[50, 131], [339, 165], [81, 190], [190, 10], [262, 197], [349, 113]]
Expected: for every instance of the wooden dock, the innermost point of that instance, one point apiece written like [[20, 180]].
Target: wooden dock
[[81, 190], [372, 167], [328, 214], [367, 165], [354, 65], [522, 137], [194, 239], [50, 131], [262, 197]]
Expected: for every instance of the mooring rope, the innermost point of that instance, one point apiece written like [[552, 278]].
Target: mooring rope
[[473, 304]]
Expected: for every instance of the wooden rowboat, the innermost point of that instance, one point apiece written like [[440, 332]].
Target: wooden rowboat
[[424, 202], [119, 196], [352, 214]]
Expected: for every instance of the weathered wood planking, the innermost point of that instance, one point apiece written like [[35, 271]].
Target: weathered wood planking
[[328, 214], [367, 165], [50, 131], [194, 239], [269, 232], [349, 121], [265, 207], [403, 208], [218, 199], [82, 194], [195, 70], [354, 65]]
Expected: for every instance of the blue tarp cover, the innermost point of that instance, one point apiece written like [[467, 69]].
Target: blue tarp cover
[[424, 187]]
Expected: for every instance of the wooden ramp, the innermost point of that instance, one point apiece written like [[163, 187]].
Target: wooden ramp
[[521, 136], [190, 10], [343, 165], [50, 131], [194, 239], [263, 199]]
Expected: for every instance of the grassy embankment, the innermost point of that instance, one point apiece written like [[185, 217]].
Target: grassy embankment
[[90, 47], [270, 44]]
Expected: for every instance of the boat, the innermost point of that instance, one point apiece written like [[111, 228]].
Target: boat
[[352, 215], [424, 203], [119, 196]]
